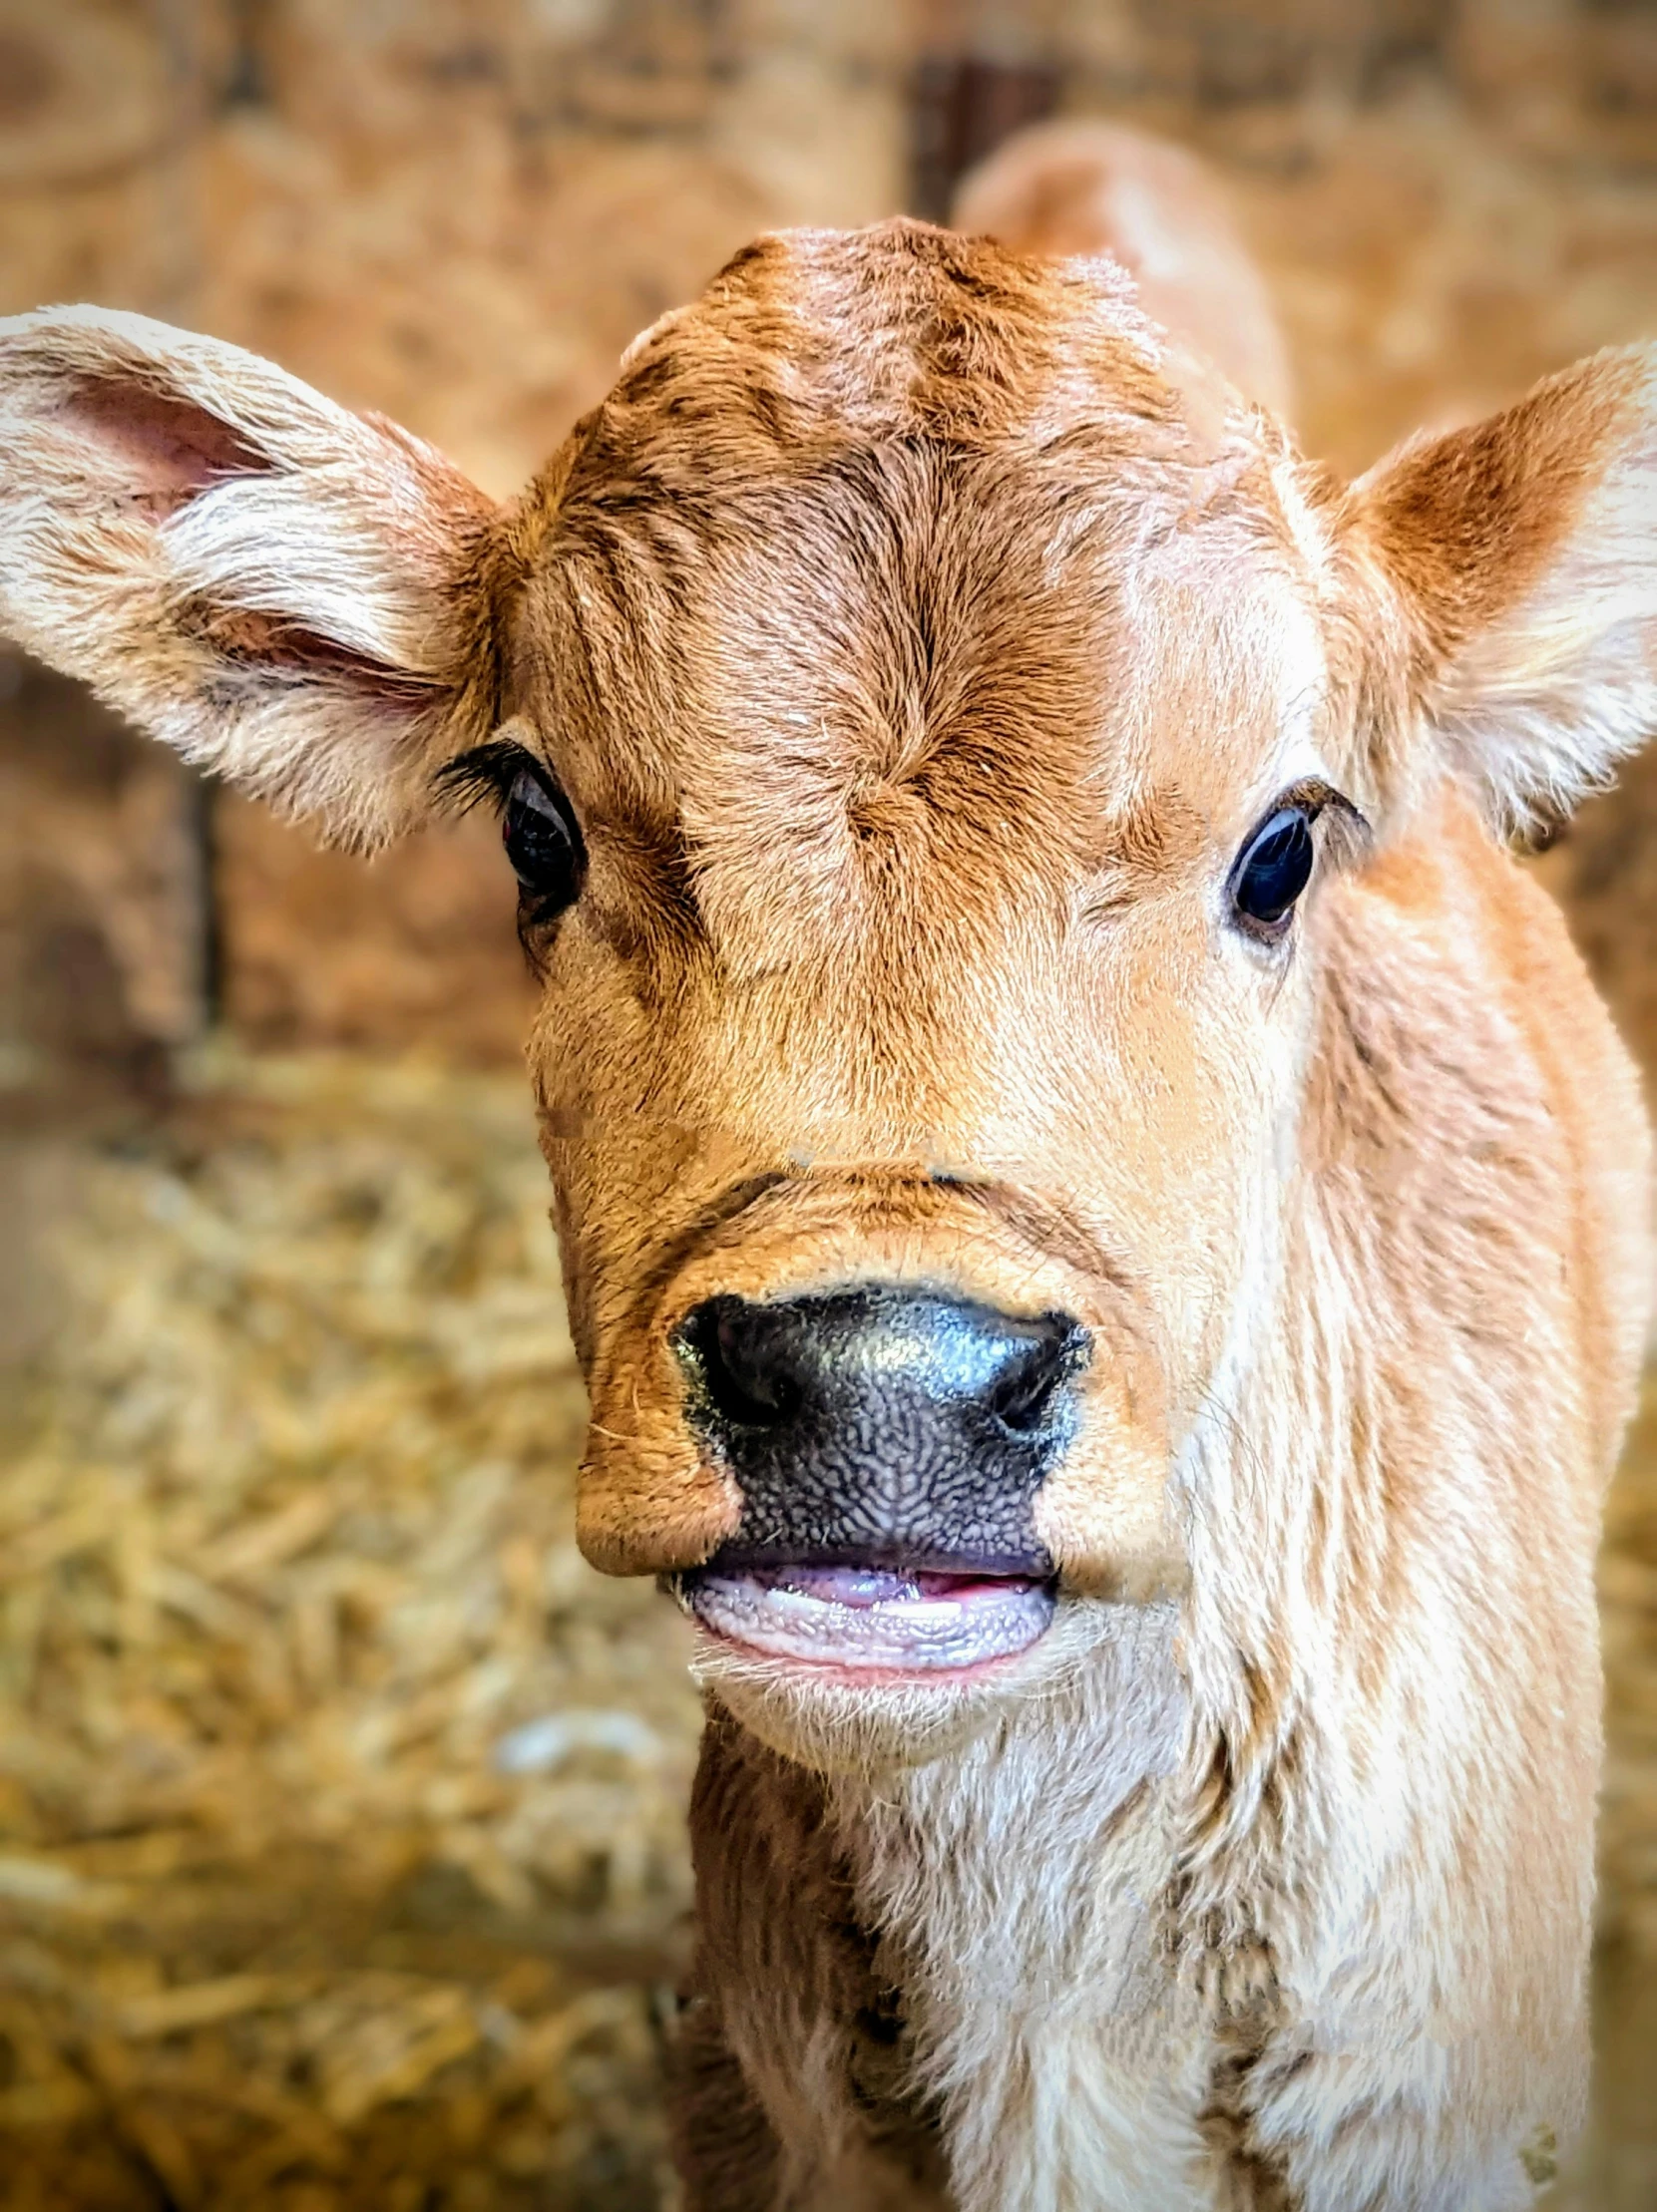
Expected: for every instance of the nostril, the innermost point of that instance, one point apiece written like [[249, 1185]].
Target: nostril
[[1022, 1399], [770, 1374], [744, 1383]]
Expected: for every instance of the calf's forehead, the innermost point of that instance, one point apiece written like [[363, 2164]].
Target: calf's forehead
[[903, 515]]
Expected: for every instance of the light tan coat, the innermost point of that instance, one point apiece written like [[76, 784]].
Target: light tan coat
[[916, 655]]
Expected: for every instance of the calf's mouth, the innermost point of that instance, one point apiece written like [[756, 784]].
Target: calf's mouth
[[868, 1619], [887, 1442]]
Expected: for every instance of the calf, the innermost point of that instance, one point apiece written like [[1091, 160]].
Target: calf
[[1066, 188], [1103, 1218]]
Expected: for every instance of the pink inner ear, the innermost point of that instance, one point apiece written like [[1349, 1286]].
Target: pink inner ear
[[172, 447], [289, 648]]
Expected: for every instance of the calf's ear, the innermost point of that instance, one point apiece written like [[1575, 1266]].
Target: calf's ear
[[292, 595], [1518, 568]]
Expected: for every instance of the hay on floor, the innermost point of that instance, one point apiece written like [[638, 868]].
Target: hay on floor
[[341, 1848], [1628, 1635]]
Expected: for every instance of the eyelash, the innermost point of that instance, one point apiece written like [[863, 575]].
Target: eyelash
[[539, 830], [483, 777]]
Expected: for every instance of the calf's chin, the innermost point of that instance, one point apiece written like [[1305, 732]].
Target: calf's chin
[[862, 1725]]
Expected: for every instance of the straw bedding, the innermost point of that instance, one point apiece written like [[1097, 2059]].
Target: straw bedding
[[341, 1852], [1628, 1628], [341, 1856]]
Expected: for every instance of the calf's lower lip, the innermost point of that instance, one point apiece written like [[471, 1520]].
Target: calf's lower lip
[[871, 1620]]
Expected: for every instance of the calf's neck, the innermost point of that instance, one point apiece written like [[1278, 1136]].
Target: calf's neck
[[1103, 1219]]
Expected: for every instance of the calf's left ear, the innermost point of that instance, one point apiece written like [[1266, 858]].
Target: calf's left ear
[[295, 596], [1516, 569]]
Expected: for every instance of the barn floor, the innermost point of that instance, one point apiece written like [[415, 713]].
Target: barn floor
[[341, 1804]]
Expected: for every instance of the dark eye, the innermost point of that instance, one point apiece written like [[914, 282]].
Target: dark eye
[[1273, 867], [542, 844]]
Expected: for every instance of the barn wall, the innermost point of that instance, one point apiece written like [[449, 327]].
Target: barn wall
[[105, 936]]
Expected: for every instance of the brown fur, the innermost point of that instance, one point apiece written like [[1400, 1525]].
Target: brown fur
[[917, 646]]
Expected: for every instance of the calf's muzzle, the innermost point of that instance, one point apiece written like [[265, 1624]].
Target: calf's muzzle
[[885, 1426]]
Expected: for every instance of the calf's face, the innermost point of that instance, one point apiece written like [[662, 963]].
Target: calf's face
[[930, 722], [913, 1073]]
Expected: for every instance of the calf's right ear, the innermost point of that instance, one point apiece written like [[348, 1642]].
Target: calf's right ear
[[297, 597]]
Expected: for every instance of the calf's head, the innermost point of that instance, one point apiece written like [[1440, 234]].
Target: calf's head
[[931, 734]]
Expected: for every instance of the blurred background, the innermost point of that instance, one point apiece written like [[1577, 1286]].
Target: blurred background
[[341, 1860]]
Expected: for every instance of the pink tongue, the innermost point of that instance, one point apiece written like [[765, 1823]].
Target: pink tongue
[[863, 1586]]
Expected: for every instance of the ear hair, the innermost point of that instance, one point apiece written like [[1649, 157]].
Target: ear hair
[[295, 596]]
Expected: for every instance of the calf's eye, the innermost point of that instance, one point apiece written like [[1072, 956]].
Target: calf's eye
[[544, 842], [1272, 869]]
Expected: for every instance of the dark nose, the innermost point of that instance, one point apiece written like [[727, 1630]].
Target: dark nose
[[882, 1424]]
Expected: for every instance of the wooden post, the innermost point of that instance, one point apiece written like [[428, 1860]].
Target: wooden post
[[984, 70]]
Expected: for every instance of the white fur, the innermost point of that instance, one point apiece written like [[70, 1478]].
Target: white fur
[[1022, 1877], [1538, 708], [116, 567]]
